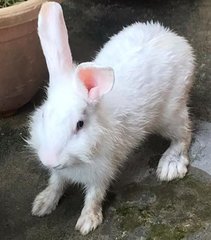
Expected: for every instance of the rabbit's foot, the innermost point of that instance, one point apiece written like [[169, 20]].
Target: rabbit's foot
[[88, 221], [171, 167], [45, 202]]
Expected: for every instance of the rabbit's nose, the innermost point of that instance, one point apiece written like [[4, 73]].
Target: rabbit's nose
[[49, 160]]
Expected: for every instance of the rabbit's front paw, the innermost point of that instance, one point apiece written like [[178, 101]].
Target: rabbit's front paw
[[88, 221], [44, 203]]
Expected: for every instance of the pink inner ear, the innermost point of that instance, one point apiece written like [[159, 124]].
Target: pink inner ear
[[97, 80], [87, 76]]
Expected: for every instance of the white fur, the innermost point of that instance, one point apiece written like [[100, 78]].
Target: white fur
[[153, 70]]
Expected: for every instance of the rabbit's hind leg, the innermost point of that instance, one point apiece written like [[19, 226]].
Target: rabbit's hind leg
[[173, 164]]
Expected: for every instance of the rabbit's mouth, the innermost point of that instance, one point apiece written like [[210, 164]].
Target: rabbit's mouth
[[59, 167]]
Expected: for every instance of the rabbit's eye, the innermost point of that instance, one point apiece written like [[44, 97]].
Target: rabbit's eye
[[79, 125]]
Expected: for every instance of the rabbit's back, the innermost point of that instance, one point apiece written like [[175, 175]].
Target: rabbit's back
[[139, 44], [153, 67]]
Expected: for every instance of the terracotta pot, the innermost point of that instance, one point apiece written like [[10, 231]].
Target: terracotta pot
[[22, 64]]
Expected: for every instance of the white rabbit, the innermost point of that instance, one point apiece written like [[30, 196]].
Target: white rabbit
[[97, 112]]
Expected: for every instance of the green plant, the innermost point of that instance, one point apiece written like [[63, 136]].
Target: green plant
[[7, 3]]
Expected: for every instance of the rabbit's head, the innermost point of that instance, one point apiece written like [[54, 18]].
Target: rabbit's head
[[67, 128]]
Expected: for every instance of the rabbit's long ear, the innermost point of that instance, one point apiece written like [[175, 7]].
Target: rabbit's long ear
[[53, 36]]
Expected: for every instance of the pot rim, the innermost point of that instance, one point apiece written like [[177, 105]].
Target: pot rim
[[20, 13]]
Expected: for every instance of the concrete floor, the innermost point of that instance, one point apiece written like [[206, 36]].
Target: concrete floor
[[137, 206]]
